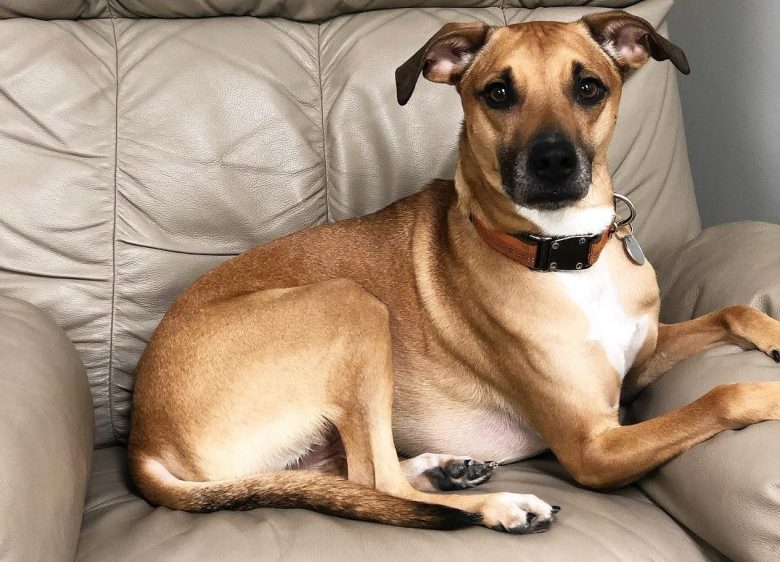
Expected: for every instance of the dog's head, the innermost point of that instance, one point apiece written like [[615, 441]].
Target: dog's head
[[540, 101]]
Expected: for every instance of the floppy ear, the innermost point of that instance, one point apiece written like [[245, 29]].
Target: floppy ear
[[631, 40], [443, 58]]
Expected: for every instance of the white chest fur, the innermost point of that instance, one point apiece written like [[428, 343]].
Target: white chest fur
[[619, 334], [592, 290]]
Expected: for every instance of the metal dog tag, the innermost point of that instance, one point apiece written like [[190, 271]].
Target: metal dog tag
[[633, 249], [630, 244]]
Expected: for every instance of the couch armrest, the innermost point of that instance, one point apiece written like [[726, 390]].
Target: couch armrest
[[46, 436], [725, 489], [735, 263]]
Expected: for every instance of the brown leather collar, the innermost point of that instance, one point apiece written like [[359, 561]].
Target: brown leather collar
[[546, 253]]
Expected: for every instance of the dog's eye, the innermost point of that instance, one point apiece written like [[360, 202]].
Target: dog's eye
[[590, 91], [498, 95]]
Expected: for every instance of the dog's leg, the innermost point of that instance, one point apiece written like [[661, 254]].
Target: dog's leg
[[741, 325], [366, 430], [432, 472], [600, 453], [514, 513], [311, 356]]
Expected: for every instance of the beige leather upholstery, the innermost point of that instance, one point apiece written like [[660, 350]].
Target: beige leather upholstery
[[57, 112], [300, 10], [620, 526], [726, 489], [51, 9], [45, 436], [137, 153], [736, 263]]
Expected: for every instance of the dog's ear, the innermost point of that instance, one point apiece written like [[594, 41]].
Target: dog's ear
[[631, 40], [443, 58]]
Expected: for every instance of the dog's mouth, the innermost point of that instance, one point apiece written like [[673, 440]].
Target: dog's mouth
[[552, 200], [549, 174]]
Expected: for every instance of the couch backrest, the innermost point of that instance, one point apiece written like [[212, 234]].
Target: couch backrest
[[299, 10], [137, 153]]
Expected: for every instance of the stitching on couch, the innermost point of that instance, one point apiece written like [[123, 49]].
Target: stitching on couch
[[113, 235], [322, 120], [172, 251], [503, 11]]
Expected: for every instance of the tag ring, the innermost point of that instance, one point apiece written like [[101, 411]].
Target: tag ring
[[631, 209], [627, 234]]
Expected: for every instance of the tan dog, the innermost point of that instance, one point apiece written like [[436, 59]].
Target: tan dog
[[418, 331]]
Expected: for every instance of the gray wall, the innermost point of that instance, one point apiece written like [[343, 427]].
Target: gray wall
[[731, 103]]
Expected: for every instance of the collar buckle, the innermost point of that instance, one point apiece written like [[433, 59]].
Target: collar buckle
[[568, 253]]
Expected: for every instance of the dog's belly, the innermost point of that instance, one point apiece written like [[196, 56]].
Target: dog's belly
[[480, 434]]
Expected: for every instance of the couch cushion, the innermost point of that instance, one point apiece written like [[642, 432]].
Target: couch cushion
[[45, 436], [52, 9], [726, 489], [300, 10], [623, 525], [319, 10], [57, 115]]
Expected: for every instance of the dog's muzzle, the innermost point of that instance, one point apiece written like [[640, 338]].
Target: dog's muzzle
[[551, 173]]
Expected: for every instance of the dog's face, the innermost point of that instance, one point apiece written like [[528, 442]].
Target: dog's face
[[540, 100]]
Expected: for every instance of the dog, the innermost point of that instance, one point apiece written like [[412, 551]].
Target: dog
[[477, 323]]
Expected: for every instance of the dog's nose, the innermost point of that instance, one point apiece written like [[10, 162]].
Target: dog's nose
[[552, 161]]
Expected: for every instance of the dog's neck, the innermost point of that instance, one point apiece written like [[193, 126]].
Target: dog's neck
[[478, 197], [569, 221]]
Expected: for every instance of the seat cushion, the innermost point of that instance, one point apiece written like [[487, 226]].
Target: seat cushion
[[623, 525]]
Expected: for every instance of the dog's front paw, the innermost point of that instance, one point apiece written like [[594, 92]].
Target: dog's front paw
[[520, 514], [459, 474], [757, 329], [768, 338]]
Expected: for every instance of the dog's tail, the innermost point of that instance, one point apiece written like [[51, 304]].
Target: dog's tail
[[306, 489]]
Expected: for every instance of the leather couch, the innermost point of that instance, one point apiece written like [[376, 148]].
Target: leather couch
[[144, 141]]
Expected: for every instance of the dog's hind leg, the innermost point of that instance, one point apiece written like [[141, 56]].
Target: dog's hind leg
[[365, 399], [433, 472]]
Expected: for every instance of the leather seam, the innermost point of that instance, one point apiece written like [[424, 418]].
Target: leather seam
[[322, 120], [503, 11], [111, 415]]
